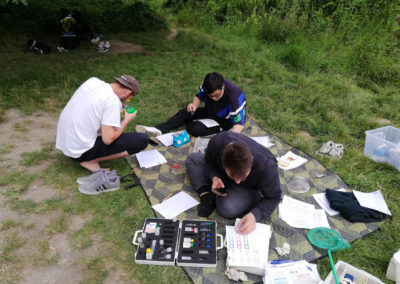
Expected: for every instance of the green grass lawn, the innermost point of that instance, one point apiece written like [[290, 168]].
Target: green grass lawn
[[305, 108]]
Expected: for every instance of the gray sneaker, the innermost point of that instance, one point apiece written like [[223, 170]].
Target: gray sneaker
[[104, 183], [151, 131], [94, 176]]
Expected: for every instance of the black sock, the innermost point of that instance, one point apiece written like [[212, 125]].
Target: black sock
[[204, 188], [207, 202]]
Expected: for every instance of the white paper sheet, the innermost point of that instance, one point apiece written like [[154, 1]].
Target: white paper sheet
[[149, 159], [167, 139], [208, 122], [290, 161], [373, 200], [175, 205], [263, 140], [323, 202], [300, 214]]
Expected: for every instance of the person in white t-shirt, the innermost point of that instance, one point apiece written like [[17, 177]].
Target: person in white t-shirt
[[90, 129]]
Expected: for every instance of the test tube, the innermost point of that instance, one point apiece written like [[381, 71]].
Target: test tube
[[153, 245], [167, 250], [167, 256]]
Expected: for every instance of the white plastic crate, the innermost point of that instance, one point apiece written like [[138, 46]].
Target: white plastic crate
[[360, 276], [383, 145]]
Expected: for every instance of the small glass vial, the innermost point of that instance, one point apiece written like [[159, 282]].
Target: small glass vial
[[175, 166]]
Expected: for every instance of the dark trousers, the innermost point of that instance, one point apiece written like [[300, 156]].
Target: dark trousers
[[239, 200], [194, 128], [130, 142]]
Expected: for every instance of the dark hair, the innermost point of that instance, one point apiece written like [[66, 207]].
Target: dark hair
[[212, 82], [237, 158]]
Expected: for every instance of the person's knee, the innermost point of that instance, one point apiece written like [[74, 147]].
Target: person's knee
[[196, 128], [193, 159], [143, 140], [228, 209], [138, 142]]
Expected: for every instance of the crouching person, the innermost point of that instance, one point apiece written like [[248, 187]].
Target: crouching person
[[237, 176]]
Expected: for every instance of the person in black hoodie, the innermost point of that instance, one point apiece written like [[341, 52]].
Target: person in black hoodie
[[237, 176]]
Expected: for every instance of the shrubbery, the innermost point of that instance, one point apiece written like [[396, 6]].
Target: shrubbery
[[103, 16], [363, 37]]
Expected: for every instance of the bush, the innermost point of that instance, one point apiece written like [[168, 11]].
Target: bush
[[103, 16]]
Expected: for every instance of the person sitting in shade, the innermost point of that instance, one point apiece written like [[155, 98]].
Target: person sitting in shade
[[224, 102], [237, 176]]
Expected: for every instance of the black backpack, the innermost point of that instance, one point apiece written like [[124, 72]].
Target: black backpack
[[37, 46]]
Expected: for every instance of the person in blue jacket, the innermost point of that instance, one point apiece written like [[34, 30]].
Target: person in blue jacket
[[224, 102]]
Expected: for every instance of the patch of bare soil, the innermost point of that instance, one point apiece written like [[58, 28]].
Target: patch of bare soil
[[118, 47], [383, 121], [40, 255], [172, 35]]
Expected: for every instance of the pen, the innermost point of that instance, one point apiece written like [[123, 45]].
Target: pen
[[168, 196]]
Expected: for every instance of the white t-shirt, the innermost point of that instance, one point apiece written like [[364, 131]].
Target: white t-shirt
[[93, 104]]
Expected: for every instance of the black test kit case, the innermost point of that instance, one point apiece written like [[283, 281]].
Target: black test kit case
[[186, 242]]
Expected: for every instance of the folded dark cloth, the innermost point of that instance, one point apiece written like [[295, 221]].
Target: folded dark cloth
[[348, 206]]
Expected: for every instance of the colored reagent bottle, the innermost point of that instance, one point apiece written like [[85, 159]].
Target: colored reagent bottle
[[129, 107]]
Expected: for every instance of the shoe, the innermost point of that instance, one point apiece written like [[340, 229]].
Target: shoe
[[207, 204], [325, 148], [336, 151], [103, 49], [100, 45], [107, 45], [103, 183], [94, 176], [152, 131]]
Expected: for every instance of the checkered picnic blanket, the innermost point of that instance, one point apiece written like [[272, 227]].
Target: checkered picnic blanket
[[157, 182]]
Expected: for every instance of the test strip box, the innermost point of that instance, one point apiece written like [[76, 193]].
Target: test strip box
[[184, 242]]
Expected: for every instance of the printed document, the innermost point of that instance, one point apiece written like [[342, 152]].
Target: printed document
[[248, 252], [175, 205], [291, 272], [208, 122], [300, 214], [148, 159], [372, 200], [290, 161]]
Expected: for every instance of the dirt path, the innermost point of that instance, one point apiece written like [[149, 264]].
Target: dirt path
[[32, 249]]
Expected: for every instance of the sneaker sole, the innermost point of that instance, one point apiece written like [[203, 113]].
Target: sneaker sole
[[79, 181], [96, 192], [141, 129]]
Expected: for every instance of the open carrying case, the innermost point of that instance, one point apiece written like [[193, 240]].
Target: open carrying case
[[186, 242]]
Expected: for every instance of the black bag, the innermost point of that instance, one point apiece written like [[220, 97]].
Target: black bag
[[69, 42], [37, 46]]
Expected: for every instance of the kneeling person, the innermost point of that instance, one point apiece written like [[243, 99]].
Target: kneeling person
[[237, 176], [90, 129]]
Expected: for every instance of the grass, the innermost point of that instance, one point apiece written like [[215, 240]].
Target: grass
[[289, 95]]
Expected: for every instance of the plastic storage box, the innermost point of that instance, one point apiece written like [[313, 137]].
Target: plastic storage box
[[383, 145], [359, 276]]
